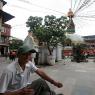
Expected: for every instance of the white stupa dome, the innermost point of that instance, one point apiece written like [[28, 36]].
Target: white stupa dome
[[75, 38]]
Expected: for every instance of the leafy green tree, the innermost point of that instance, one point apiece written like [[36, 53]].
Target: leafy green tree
[[51, 31], [78, 55], [15, 43], [34, 23]]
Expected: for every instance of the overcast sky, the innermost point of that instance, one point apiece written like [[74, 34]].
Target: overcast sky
[[22, 9]]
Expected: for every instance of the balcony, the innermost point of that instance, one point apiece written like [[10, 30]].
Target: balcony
[[4, 41], [5, 31]]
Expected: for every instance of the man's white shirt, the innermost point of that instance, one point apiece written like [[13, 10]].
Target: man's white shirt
[[14, 78]]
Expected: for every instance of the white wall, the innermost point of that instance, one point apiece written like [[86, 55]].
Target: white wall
[[44, 55], [57, 53]]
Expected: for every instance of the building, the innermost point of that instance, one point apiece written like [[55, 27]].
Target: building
[[72, 39], [5, 29], [90, 43]]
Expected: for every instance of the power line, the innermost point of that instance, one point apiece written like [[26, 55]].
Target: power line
[[71, 4], [27, 2], [79, 4], [23, 8], [85, 4], [74, 4], [79, 25], [18, 25], [90, 16], [85, 18], [20, 7]]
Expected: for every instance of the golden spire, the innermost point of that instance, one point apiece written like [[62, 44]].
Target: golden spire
[[70, 14]]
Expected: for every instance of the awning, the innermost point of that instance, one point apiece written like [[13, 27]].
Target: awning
[[4, 44], [3, 2], [5, 16]]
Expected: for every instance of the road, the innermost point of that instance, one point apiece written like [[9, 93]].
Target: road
[[77, 78]]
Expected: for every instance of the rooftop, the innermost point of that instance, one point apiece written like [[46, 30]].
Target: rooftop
[[6, 16], [90, 37], [3, 2]]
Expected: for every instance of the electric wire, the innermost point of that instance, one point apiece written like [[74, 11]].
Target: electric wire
[[71, 4], [78, 5], [74, 5], [78, 8], [85, 5], [27, 2]]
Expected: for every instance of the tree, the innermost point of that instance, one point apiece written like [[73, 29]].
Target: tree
[[15, 43], [34, 23], [51, 32], [78, 54]]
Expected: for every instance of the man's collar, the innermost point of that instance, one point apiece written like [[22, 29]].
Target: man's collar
[[18, 68]]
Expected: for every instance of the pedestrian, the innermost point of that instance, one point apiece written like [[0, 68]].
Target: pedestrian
[[10, 55], [36, 58], [6, 55], [13, 55], [15, 78]]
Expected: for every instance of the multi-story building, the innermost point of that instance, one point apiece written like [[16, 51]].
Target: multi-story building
[[5, 29], [90, 42]]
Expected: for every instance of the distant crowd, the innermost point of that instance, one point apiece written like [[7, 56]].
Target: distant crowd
[[11, 55]]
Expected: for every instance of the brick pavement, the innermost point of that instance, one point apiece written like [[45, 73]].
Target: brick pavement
[[74, 76], [3, 63], [2, 59]]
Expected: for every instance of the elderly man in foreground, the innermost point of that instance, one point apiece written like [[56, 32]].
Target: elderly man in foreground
[[15, 78]]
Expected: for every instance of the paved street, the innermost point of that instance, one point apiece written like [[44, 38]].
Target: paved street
[[77, 78]]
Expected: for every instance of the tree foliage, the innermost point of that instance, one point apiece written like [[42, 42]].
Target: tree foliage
[[78, 54], [51, 30], [34, 23], [15, 44]]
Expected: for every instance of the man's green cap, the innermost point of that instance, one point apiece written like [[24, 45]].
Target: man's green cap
[[25, 49]]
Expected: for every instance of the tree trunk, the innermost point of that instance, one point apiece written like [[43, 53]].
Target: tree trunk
[[44, 57], [51, 60]]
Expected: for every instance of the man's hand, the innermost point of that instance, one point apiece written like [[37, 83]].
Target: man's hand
[[58, 84], [22, 91], [26, 91], [42, 74]]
